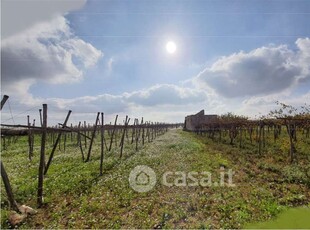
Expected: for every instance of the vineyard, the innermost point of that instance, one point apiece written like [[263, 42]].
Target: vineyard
[[66, 168], [267, 128]]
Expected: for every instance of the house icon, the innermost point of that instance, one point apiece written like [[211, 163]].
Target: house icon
[[142, 178]]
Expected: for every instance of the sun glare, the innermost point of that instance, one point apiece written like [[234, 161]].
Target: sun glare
[[171, 47]]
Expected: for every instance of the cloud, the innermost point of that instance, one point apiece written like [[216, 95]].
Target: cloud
[[91, 104], [168, 100], [262, 105], [270, 100], [157, 95], [262, 71], [17, 15], [303, 45], [39, 45], [165, 94], [169, 103], [48, 52]]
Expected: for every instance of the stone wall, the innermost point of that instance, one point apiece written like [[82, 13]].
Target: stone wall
[[194, 122]]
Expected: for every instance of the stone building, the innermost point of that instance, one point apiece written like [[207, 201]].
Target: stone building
[[196, 121]]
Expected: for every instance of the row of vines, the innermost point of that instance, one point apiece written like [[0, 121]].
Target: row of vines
[[82, 136], [239, 129]]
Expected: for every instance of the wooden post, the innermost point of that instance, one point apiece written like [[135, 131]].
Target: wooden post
[[4, 175], [137, 134], [260, 138], [152, 130], [289, 128], [30, 150], [42, 158], [85, 135], [148, 132], [102, 143], [4, 99], [40, 112], [123, 136], [32, 136], [80, 141], [8, 188], [59, 145], [78, 137], [56, 143], [111, 142], [142, 131], [133, 130], [92, 138]]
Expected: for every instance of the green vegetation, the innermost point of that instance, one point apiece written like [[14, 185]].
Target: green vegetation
[[297, 218], [77, 197]]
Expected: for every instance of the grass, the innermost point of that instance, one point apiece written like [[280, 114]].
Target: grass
[[297, 218], [76, 196]]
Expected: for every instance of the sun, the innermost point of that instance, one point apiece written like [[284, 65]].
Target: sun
[[171, 47]]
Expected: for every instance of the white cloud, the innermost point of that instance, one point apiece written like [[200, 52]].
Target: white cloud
[[165, 94], [262, 71], [303, 45], [17, 15], [262, 105], [87, 53], [159, 95], [39, 45], [92, 104], [169, 100], [48, 52]]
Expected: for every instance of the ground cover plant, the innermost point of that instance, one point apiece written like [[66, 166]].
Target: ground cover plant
[[75, 196]]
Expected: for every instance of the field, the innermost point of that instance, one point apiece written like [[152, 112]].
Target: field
[[75, 196]]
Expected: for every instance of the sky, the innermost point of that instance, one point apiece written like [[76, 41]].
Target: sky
[[110, 56]]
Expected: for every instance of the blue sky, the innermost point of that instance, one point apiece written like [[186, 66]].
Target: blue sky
[[110, 56]]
